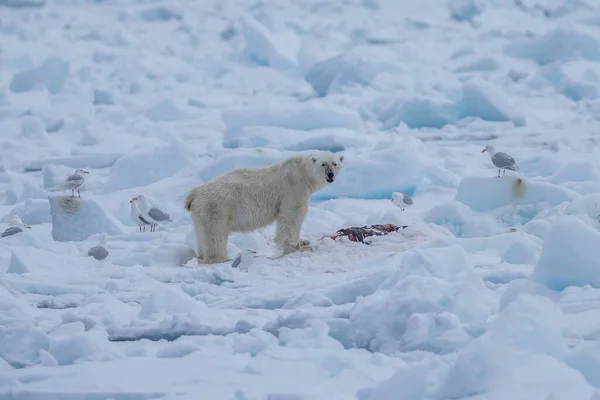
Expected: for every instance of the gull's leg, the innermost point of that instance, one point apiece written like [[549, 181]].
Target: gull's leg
[[78, 193], [72, 193]]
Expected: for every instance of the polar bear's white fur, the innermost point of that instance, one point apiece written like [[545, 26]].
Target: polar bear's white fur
[[247, 199]]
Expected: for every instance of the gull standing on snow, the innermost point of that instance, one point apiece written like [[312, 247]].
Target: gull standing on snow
[[402, 200], [74, 182], [136, 215], [501, 160], [244, 260], [17, 227], [151, 214]]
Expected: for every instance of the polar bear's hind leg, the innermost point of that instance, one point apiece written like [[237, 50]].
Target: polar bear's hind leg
[[215, 234]]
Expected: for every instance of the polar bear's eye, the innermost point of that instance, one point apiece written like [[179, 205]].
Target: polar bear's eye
[[335, 164], [323, 164]]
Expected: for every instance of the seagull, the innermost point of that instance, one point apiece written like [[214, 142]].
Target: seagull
[[98, 252], [136, 215], [151, 214], [16, 227], [74, 181], [501, 160], [243, 260], [402, 200]]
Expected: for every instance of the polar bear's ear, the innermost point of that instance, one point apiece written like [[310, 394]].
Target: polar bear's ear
[[314, 159], [341, 159]]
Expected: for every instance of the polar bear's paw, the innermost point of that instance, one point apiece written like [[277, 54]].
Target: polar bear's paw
[[304, 243]]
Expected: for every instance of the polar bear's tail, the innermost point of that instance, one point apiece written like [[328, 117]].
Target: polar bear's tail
[[188, 201]]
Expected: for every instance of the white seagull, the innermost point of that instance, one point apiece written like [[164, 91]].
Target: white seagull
[[74, 182], [136, 215], [151, 214], [17, 227], [402, 200], [244, 260], [501, 160]]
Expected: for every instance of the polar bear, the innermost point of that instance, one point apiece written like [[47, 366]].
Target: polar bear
[[247, 199]]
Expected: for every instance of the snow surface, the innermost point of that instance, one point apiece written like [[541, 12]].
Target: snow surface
[[492, 292]]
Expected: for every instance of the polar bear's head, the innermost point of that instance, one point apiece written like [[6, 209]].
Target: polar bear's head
[[325, 167]]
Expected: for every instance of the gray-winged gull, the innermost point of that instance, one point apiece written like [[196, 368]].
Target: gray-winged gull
[[402, 200], [501, 160], [17, 227], [136, 215], [74, 182], [243, 261], [98, 252], [151, 214]]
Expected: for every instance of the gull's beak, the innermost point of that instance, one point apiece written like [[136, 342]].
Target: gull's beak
[[483, 150], [133, 199], [253, 252], [86, 172], [27, 226]]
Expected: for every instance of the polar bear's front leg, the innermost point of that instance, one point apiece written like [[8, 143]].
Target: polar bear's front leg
[[289, 224]]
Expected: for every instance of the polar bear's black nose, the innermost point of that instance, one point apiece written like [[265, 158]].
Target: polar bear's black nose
[[330, 176]]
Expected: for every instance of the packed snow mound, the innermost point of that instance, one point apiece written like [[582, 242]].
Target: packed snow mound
[[466, 10], [22, 3], [524, 286], [173, 254], [419, 112], [530, 323], [33, 128], [354, 67], [161, 13], [32, 212], [570, 256], [103, 97], [166, 110], [299, 116], [330, 139], [557, 45], [523, 251], [76, 219], [576, 80], [52, 74], [141, 168], [483, 369], [16, 264], [41, 261], [478, 99], [277, 50], [423, 305], [485, 194], [481, 99], [459, 219], [81, 161]]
